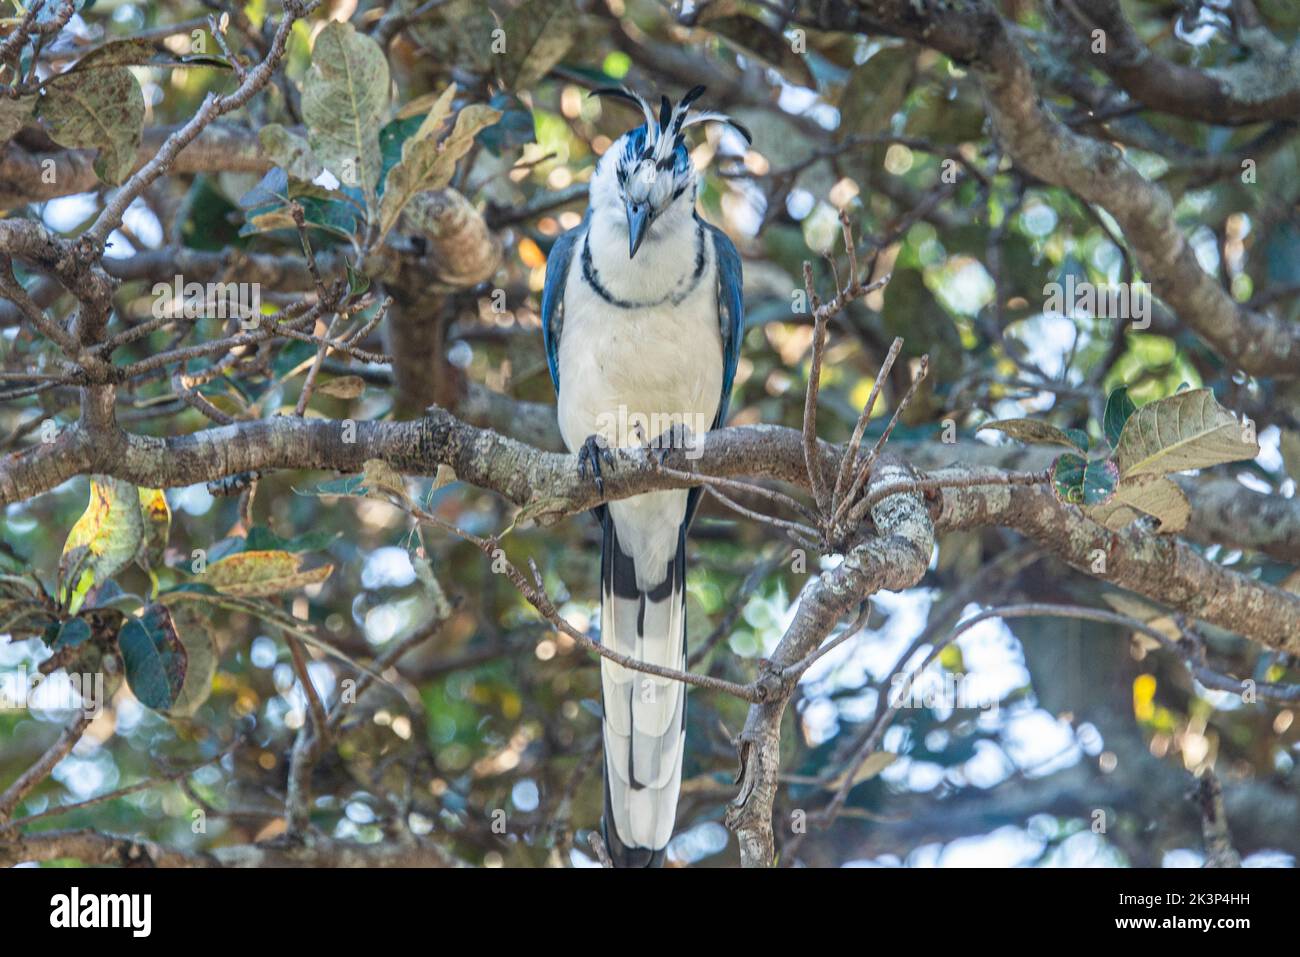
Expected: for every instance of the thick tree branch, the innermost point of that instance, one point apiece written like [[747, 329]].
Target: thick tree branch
[[35, 175], [548, 487], [94, 847], [895, 558], [1264, 86]]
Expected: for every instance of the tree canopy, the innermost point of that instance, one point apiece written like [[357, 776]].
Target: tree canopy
[[998, 554]]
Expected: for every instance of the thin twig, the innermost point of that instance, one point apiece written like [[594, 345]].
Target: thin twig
[[850, 457], [794, 671], [535, 592], [1027, 610], [807, 536], [45, 764], [716, 481], [145, 785], [213, 107], [864, 471], [810, 457]]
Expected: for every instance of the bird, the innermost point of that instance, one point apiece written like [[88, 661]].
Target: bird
[[642, 320]]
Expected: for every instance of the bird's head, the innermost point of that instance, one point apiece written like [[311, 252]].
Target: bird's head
[[647, 172]]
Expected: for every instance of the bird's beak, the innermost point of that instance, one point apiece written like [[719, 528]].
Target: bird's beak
[[638, 221]]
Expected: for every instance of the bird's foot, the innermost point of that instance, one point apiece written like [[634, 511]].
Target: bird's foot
[[595, 448], [675, 437]]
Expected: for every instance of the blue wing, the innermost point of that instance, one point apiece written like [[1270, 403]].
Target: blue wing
[[731, 319], [731, 314], [557, 271]]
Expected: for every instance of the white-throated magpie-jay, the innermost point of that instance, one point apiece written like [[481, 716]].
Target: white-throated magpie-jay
[[642, 319]]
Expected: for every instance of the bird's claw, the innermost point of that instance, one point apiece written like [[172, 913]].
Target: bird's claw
[[676, 436], [593, 450]]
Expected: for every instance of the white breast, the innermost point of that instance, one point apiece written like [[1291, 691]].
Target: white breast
[[630, 374]]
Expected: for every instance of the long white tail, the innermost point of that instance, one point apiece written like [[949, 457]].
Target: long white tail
[[645, 716]]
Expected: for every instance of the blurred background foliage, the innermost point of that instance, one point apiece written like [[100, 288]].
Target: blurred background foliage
[[497, 712]]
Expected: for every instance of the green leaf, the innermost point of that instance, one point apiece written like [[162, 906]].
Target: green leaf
[[111, 594], [358, 282], [271, 190], [876, 90], [1077, 481], [351, 485], [110, 531], [188, 588], [208, 219], [391, 139], [71, 633], [1037, 431], [98, 108], [339, 217], [267, 206], [129, 51], [1189, 430], [1079, 438], [459, 31], [514, 129], [344, 103], [262, 539], [13, 115], [290, 152], [538, 34], [154, 658], [378, 480], [292, 356], [1154, 495], [1118, 409]]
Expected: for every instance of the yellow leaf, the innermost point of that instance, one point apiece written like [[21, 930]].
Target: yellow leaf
[[157, 525], [1153, 495], [876, 762], [200, 662], [444, 477], [1144, 697], [530, 254], [261, 574], [1188, 430], [427, 164], [427, 103], [383, 480], [344, 387], [105, 537]]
